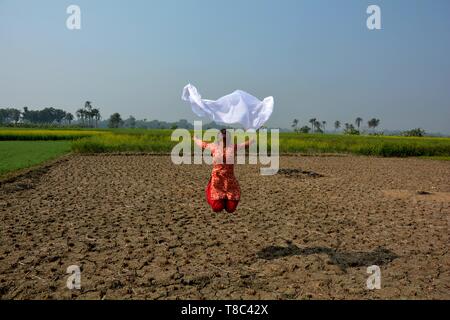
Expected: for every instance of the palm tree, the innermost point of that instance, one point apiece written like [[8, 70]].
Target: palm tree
[[95, 114], [373, 123], [88, 115], [312, 121], [88, 112], [88, 105], [295, 124], [358, 122], [324, 123], [377, 123], [68, 117], [81, 115], [337, 125], [318, 125], [350, 129]]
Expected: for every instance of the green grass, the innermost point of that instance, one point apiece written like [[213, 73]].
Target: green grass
[[386, 146], [9, 134], [125, 142], [442, 158], [25, 146], [15, 155]]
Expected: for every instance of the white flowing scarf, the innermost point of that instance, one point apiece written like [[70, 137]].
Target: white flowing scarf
[[237, 107]]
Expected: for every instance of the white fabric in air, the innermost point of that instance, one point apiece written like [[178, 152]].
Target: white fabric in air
[[237, 107]]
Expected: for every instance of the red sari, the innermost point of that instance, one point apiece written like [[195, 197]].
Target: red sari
[[223, 187]]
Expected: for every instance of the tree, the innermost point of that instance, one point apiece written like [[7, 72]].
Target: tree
[[350, 129], [9, 115], [29, 115], [14, 114], [95, 114], [312, 121], [358, 122], [317, 127], [417, 132], [81, 115], [373, 123], [295, 124], [68, 117], [57, 115], [3, 115], [46, 115], [88, 116], [337, 125], [324, 123], [88, 112], [130, 122], [304, 129], [115, 120]]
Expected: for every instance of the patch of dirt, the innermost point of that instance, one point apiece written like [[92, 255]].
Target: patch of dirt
[[419, 195], [299, 173], [139, 228], [379, 256], [26, 178]]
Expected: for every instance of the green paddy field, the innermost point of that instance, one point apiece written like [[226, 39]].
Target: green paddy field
[[21, 148]]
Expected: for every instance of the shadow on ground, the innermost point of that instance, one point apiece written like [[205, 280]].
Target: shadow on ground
[[342, 259]]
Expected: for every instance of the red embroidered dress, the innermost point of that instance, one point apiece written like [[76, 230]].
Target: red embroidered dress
[[223, 183]]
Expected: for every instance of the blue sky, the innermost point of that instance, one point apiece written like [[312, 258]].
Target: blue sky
[[316, 57]]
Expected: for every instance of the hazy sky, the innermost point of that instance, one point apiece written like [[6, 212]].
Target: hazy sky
[[317, 58]]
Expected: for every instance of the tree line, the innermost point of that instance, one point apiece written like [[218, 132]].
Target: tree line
[[317, 126], [44, 116], [86, 117], [116, 121], [89, 116]]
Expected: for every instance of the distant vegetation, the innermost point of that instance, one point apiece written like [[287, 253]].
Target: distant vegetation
[[132, 140], [159, 141], [386, 146], [90, 117], [115, 121], [86, 117], [10, 134], [320, 126], [32, 136], [350, 129], [156, 141], [414, 133], [45, 116]]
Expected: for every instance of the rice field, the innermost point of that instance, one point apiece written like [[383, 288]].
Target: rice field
[[125, 142], [386, 146], [16, 155], [11, 134], [159, 141]]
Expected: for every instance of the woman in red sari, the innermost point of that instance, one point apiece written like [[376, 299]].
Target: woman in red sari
[[222, 191]]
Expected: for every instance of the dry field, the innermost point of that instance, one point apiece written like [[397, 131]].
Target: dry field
[[139, 227]]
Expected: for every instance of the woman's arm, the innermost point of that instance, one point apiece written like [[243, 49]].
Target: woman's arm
[[200, 143], [245, 144]]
